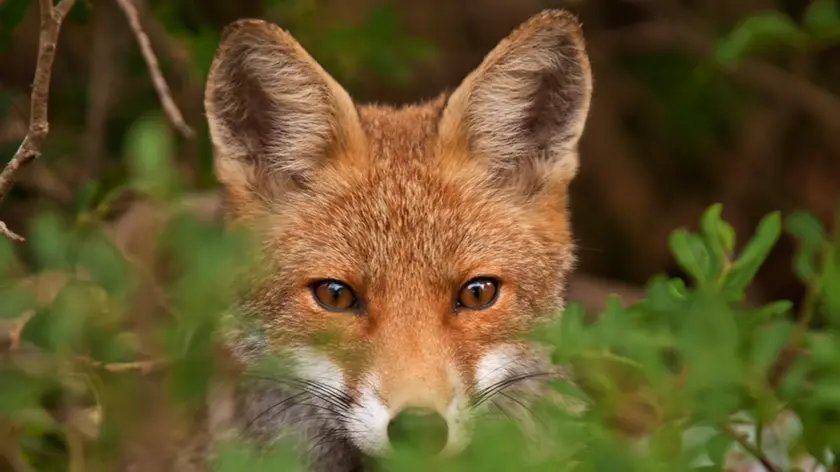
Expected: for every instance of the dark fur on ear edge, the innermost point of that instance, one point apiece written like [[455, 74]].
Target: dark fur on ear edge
[[524, 108], [274, 114]]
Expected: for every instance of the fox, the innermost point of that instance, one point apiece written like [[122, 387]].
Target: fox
[[425, 238]]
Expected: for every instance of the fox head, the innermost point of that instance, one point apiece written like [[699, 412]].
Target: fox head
[[425, 239]]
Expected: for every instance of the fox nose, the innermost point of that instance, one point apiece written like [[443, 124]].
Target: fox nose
[[424, 430]]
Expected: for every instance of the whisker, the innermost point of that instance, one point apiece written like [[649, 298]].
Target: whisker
[[525, 407], [323, 391], [272, 407], [503, 410], [488, 392], [503, 366]]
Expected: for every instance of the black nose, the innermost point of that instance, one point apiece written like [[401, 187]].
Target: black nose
[[423, 430]]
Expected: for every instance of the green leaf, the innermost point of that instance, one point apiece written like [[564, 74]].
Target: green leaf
[[150, 146], [810, 234], [692, 255], [237, 456], [571, 336], [8, 259], [768, 343], [52, 241], [822, 19], [662, 296], [19, 391], [717, 446], [757, 32], [15, 301], [775, 309], [831, 285], [743, 270], [62, 326], [105, 264], [719, 233]]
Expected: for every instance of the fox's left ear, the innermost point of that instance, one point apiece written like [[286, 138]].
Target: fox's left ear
[[522, 111]]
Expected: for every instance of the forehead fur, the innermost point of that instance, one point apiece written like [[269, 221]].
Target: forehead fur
[[407, 222]]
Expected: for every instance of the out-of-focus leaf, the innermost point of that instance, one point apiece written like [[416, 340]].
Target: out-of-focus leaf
[[743, 270], [758, 31], [149, 147], [8, 259], [717, 447], [831, 285], [692, 255], [52, 241], [15, 301], [62, 327], [822, 19], [809, 232], [768, 343], [105, 264], [662, 296], [720, 234], [236, 457], [19, 391]]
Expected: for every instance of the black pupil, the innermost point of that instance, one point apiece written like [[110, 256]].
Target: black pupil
[[477, 288], [335, 291]]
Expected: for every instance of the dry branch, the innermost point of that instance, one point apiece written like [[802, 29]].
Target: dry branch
[[30, 148], [162, 89]]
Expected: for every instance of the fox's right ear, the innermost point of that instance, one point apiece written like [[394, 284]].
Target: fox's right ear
[[521, 113], [275, 116]]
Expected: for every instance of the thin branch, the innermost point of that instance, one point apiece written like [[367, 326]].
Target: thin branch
[[162, 89], [143, 367], [30, 148], [750, 448]]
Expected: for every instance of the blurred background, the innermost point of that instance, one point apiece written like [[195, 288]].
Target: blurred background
[[696, 102]]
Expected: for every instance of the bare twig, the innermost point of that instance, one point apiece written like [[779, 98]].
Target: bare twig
[[162, 89], [143, 367], [750, 448], [30, 148]]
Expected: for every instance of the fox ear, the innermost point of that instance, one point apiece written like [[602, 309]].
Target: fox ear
[[522, 111], [274, 114]]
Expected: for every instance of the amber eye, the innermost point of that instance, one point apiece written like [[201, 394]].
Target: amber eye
[[478, 293], [334, 295]]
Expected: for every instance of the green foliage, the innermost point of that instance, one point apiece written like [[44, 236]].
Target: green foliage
[[822, 20], [687, 364], [758, 32], [773, 31]]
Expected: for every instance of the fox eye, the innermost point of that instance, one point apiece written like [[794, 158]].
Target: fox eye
[[334, 295], [478, 293]]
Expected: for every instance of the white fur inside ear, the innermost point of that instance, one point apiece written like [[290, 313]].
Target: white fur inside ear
[[523, 109], [520, 109], [271, 108]]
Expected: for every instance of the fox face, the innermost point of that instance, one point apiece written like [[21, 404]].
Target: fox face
[[424, 240]]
